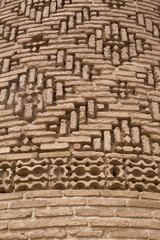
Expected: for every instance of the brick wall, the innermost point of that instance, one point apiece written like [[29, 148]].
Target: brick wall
[[79, 214]]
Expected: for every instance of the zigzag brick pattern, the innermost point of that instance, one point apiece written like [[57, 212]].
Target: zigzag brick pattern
[[79, 98]]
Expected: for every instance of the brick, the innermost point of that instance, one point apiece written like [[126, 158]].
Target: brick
[[54, 212], [54, 146], [86, 233], [143, 203], [147, 224], [9, 196], [43, 194], [119, 193], [109, 223], [67, 202], [106, 202], [128, 234], [3, 206], [15, 214], [28, 204], [149, 195], [97, 212], [3, 225], [67, 222], [135, 213], [58, 233], [15, 225], [80, 193], [42, 224], [13, 236]]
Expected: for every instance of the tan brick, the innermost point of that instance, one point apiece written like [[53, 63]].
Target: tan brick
[[3, 206], [15, 214], [86, 233], [13, 236], [28, 204], [80, 193], [43, 194], [149, 195], [54, 212], [147, 224], [67, 202], [46, 223], [15, 225], [143, 203], [58, 233], [135, 213], [109, 222], [154, 234], [3, 225], [9, 196], [98, 212], [67, 222], [127, 233], [106, 202], [119, 193]]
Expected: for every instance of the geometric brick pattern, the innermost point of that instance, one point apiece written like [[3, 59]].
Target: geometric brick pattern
[[79, 95]]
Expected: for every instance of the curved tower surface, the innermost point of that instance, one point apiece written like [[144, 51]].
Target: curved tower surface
[[79, 119]]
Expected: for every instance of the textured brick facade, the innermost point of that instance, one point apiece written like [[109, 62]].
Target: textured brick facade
[[79, 94], [79, 214]]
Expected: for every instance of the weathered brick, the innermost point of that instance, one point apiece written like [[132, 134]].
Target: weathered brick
[[119, 193], [149, 195], [15, 214], [86, 233], [109, 222], [80, 193], [3, 225], [128, 234], [13, 236], [28, 204], [54, 212], [143, 203], [3, 206], [57, 233], [106, 202], [135, 213], [47, 223], [9, 196], [67, 202], [147, 224], [43, 194], [15, 225], [98, 212]]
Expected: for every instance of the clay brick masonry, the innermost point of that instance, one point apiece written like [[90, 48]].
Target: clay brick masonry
[[79, 119], [79, 214], [79, 95]]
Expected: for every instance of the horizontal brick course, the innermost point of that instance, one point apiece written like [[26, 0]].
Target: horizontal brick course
[[28, 204], [43, 216]]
